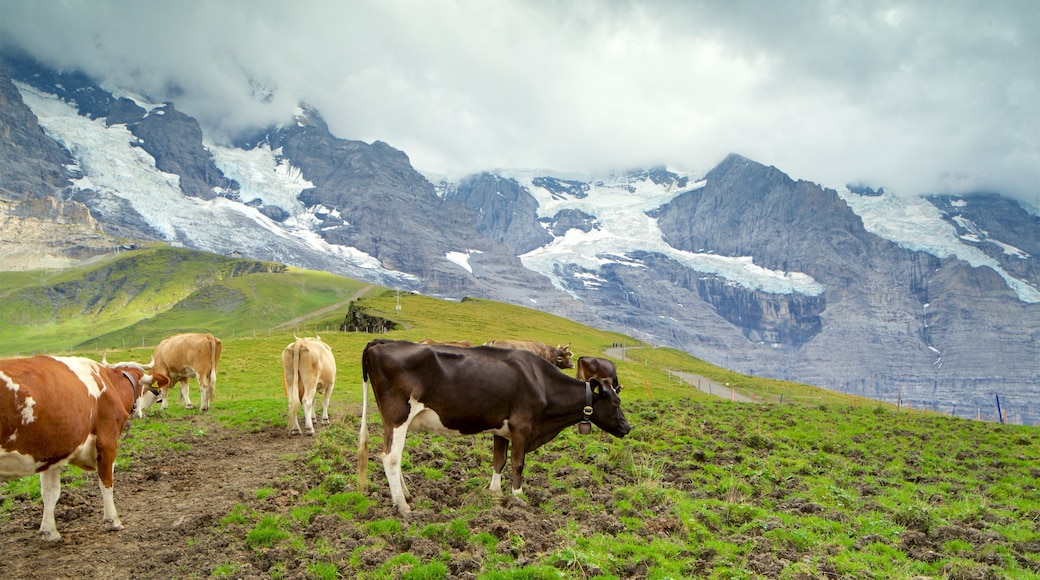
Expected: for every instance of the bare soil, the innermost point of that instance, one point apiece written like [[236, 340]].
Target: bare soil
[[168, 502], [172, 502]]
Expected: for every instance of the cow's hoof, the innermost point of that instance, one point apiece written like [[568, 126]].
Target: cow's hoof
[[310, 432], [188, 406], [326, 422], [113, 526], [49, 536]]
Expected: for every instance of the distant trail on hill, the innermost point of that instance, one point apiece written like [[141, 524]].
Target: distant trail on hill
[[701, 382], [295, 321]]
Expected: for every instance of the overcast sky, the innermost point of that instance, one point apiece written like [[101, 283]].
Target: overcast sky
[[918, 97]]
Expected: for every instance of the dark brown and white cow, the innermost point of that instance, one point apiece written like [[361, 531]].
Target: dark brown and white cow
[[66, 410], [600, 368], [513, 394], [181, 357], [558, 355], [308, 369]]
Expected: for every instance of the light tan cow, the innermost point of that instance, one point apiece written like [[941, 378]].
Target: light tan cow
[[66, 410], [559, 356], [308, 369], [181, 357]]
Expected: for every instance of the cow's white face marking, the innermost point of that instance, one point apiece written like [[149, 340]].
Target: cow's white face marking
[[85, 370]]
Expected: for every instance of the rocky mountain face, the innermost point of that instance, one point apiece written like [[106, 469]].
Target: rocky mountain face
[[883, 320]]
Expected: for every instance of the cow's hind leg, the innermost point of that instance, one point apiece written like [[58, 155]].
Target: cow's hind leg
[[50, 489], [308, 412], [185, 394], [392, 467], [207, 389], [325, 405]]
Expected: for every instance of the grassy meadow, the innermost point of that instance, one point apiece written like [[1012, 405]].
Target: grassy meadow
[[702, 488]]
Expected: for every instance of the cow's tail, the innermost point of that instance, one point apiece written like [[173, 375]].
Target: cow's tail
[[296, 379], [362, 454], [214, 357]]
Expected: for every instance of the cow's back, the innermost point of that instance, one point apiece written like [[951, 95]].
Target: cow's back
[[47, 408], [196, 351]]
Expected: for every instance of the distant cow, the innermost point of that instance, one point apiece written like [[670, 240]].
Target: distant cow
[[66, 410], [465, 343], [181, 357], [559, 356], [513, 394], [592, 367], [308, 369]]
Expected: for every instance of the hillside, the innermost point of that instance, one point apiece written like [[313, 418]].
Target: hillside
[[815, 484]]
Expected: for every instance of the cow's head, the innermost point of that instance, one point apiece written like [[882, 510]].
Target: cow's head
[[151, 392], [563, 357], [606, 408]]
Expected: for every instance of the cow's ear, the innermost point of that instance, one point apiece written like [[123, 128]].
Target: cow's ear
[[596, 386]]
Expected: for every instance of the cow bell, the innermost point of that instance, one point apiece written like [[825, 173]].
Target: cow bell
[[584, 427]]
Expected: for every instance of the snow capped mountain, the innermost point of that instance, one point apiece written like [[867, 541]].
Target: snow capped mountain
[[116, 170], [934, 300]]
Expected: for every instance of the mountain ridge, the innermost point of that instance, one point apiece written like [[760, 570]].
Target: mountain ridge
[[742, 266]]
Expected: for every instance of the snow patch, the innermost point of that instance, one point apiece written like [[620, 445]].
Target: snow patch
[[915, 224], [620, 205]]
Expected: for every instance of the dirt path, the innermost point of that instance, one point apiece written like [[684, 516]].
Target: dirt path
[[697, 381], [326, 310], [168, 502]]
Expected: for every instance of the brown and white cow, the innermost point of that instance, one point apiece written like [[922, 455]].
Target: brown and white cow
[[181, 357], [513, 394], [308, 369], [600, 368], [558, 355], [66, 410]]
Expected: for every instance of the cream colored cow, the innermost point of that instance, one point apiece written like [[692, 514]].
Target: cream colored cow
[[308, 369]]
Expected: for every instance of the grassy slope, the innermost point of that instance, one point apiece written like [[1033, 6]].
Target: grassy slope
[[701, 488]]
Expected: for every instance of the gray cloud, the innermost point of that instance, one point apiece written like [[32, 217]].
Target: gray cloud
[[918, 97]]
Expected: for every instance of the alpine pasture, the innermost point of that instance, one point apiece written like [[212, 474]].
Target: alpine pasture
[[819, 485]]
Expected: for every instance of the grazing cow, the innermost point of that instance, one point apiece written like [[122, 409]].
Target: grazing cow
[[592, 367], [513, 394], [559, 356], [308, 369], [465, 343], [66, 410], [181, 357]]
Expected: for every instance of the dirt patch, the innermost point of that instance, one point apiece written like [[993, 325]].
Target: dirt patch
[[168, 501], [173, 504]]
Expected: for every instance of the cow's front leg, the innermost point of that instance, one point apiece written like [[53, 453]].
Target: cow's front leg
[[50, 489], [517, 456], [106, 479], [501, 447]]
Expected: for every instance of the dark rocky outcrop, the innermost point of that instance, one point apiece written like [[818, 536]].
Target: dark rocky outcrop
[[32, 165], [506, 212], [358, 320]]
